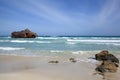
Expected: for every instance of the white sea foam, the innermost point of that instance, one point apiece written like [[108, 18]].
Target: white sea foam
[[56, 51], [64, 37], [114, 44], [42, 41], [71, 42], [87, 60], [85, 52], [54, 38], [77, 40], [20, 41], [106, 38], [10, 48], [26, 41], [86, 56], [79, 52]]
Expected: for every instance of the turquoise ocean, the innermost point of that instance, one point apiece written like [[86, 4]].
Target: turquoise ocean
[[83, 47]]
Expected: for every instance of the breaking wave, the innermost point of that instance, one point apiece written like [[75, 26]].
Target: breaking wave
[[24, 41], [56, 51], [10, 48], [73, 40], [49, 38]]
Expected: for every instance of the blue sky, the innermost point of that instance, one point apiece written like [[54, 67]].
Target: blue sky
[[61, 17]]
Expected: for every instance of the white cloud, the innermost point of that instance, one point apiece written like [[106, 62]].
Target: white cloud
[[75, 19], [46, 11], [109, 10]]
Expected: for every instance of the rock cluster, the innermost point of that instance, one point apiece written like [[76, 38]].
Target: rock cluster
[[23, 34], [73, 60], [109, 62]]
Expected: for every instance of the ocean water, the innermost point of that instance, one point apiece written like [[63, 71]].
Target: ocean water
[[59, 46]]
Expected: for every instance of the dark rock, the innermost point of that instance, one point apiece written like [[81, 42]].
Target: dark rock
[[100, 68], [100, 55], [23, 34], [104, 55], [91, 58], [117, 65], [106, 66], [53, 61], [72, 60], [109, 62], [112, 58]]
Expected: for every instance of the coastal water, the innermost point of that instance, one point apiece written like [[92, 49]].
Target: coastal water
[[59, 46]]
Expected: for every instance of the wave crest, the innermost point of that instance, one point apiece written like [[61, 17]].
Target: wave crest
[[10, 48]]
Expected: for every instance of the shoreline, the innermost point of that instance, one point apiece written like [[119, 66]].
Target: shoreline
[[37, 68]]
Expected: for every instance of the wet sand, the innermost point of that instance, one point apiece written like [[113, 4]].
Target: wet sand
[[38, 68]]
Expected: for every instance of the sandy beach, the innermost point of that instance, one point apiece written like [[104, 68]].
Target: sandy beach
[[59, 39], [37, 68]]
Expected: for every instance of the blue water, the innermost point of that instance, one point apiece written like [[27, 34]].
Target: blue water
[[58, 45]]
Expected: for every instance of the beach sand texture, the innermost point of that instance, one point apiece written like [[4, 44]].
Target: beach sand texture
[[37, 68]]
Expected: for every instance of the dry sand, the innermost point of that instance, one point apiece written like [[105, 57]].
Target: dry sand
[[37, 68]]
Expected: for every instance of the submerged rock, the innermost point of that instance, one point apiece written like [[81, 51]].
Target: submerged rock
[[23, 34]]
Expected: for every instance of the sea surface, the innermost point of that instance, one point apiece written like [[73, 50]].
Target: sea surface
[[82, 47]]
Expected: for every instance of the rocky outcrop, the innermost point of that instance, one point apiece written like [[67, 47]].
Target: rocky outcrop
[[106, 66], [105, 56], [109, 62], [23, 34], [100, 56]]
